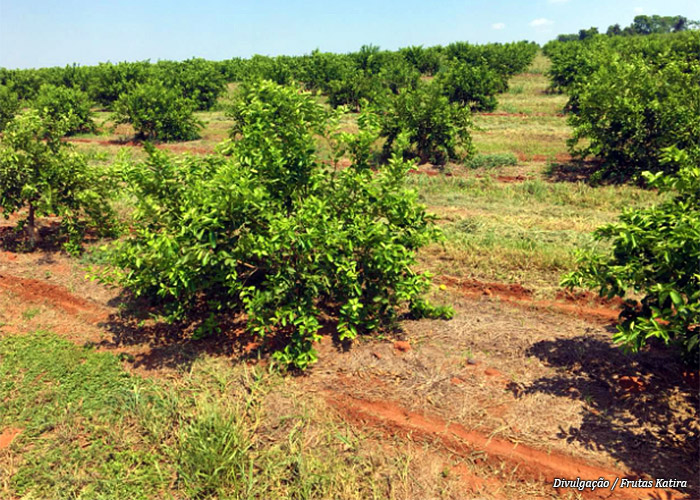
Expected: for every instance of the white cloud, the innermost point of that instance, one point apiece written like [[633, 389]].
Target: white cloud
[[541, 22], [498, 26], [638, 10]]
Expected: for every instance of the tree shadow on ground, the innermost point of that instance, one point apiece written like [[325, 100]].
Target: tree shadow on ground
[[576, 171], [151, 343], [51, 239], [639, 408]]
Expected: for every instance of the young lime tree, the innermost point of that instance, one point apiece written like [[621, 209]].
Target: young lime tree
[[157, 112], [68, 104], [660, 108], [9, 106], [655, 253], [274, 233], [42, 175], [435, 129], [472, 85]]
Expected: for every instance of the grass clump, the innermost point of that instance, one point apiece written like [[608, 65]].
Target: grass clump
[[494, 160]]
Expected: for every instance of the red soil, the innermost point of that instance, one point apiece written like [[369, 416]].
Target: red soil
[[402, 346], [54, 295], [632, 384], [575, 304], [526, 462], [586, 297], [477, 288], [7, 436]]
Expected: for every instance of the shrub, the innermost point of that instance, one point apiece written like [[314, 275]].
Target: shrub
[[41, 173], [23, 82], [397, 74], [369, 59], [9, 106], [354, 88], [320, 68], [110, 81], [435, 129], [572, 63], [629, 110], [56, 103], [656, 253], [426, 61], [473, 86], [197, 80], [157, 112], [505, 59], [273, 233]]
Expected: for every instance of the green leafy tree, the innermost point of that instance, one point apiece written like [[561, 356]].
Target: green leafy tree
[[9, 106], [318, 69], [433, 129], [42, 174], [108, 82], [426, 60], [158, 112], [354, 88], [72, 105], [198, 80], [473, 86], [655, 253], [271, 232], [629, 110], [647, 25], [23, 82], [614, 30], [397, 74]]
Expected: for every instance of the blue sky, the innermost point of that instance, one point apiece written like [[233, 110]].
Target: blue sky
[[38, 33]]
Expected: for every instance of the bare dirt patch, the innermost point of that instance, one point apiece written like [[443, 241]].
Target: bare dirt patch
[[582, 304], [530, 463], [7, 436], [511, 179], [55, 296]]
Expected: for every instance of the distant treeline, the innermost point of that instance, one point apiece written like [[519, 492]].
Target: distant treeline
[[477, 72], [642, 25]]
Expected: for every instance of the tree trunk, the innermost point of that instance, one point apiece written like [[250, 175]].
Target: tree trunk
[[32, 233]]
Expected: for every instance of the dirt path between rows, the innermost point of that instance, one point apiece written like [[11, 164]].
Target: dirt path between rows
[[382, 414], [583, 304], [55, 296], [528, 463]]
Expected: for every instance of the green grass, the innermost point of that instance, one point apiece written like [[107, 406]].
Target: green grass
[[540, 131], [91, 430], [521, 135], [494, 160], [521, 232]]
